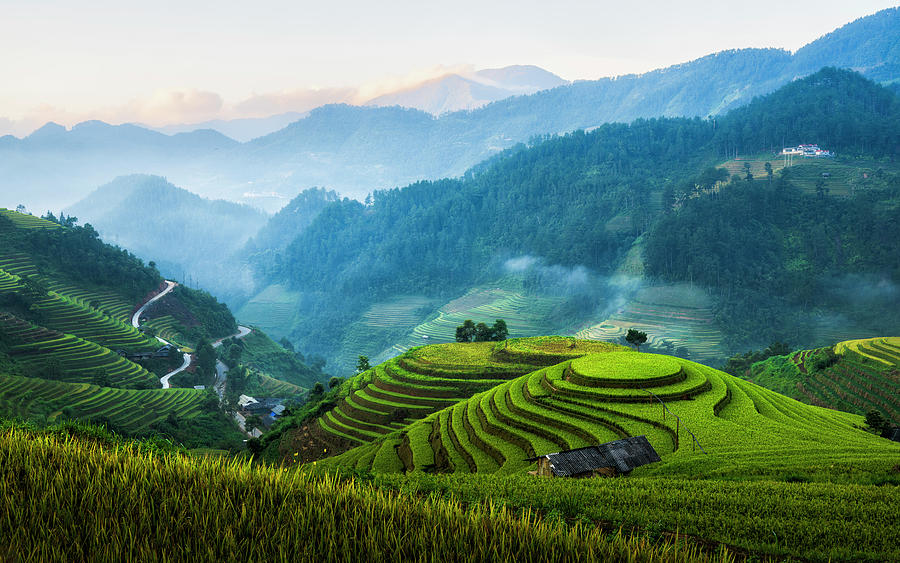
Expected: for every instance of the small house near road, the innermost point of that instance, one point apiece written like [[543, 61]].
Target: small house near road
[[164, 352], [268, 409], [609, 459]]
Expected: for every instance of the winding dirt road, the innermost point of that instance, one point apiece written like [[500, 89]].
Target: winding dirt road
[[221, 369], [136, 322]]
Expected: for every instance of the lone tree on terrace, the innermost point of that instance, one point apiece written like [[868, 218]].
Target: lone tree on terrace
[[363, 364], [636, 338]]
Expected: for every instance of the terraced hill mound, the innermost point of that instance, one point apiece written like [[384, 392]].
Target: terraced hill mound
[[854, 376], [693, 415], [418, 383]]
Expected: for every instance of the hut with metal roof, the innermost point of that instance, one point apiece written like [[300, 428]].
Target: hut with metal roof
[[609, 459]]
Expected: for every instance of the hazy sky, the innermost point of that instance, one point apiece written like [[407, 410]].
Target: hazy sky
[[181, 61]]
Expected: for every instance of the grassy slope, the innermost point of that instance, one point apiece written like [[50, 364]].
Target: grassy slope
[[73, 499]]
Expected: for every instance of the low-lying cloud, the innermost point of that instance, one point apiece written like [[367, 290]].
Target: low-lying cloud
[[184, 106], [599, 295]]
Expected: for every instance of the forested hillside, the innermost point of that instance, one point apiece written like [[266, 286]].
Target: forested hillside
[[582, 200], [183, 233]]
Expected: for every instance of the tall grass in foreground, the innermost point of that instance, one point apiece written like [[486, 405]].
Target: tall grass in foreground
[[66, 499]]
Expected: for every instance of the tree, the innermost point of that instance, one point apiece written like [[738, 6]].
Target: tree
[[334, 382], [749, 175], [206, 361], [500, 331], [235, 351], [482, 333], [252, 421], [363, 364], [316, 392], [636, 338], [875, 420], [769, 172], [466, 331]]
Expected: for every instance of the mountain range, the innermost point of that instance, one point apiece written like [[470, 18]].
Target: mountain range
[[356, 150]]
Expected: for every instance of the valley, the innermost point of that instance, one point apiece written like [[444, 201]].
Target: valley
[[469, 314]]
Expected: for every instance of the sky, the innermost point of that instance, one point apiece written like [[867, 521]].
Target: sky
[[165, 62]]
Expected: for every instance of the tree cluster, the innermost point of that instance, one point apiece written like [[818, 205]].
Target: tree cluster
[[739, 364], [77, 253], [471, 332]]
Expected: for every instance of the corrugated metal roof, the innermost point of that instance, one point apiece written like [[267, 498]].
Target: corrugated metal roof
[[624, 455]]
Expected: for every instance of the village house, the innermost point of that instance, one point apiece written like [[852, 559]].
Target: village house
[[607, 460], [813, 151], [268, 409], [163, 352]]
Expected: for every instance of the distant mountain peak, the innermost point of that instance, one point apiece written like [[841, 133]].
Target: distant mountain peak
[[49, 129], [455, 91]]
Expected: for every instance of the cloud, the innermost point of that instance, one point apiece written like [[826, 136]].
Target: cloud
[[555, 278], [412, 79], [519, 264], [184, 106], [264, 105], [863, 288], [171, 106]]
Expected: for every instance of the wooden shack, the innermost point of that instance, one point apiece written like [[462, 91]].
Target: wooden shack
[[606, 460]]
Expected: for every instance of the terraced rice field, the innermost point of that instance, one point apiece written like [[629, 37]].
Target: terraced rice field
[[399, 312], [675, 313], [24, 221], [271, 387], [866, 377], [709, 417], [524, 315], [842, 179], [757, 165], [71, 317], [383, 323], [79, 360], [425, 380], [168, 328], [127, 409], [17, 263], [73, 306], [272, 310]]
